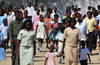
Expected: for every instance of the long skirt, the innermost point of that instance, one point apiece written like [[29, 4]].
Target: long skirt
[[26, 55]]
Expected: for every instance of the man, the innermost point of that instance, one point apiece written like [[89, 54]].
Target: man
[[98, 23], [14, 28], [82, 25], [72, 36], [55, 12], [42, 11], [30, 9], [91, 24]]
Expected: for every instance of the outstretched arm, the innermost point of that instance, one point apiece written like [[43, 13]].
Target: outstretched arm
[[89, 58], [45, 61]]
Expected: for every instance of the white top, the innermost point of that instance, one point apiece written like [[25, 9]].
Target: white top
[[26, 37], [41, 33], [30, 11], [10, 18], [83, 29], [98, 19], [4, 31], [83, 54], [61, 38], [52, 15], [43, 13]]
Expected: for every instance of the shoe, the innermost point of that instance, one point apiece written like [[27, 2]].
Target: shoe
[[40, 50], [63, 61], [60, 60]]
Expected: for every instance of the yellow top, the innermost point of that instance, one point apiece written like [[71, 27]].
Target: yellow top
[[90, 23]]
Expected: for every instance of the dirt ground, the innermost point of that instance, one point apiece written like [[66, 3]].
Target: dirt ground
[[40, 57]]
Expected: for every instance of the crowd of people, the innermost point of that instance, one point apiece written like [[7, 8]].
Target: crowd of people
[[71, 37]]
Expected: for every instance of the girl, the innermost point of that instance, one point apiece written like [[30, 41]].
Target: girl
[[50, 57], [41, 32]]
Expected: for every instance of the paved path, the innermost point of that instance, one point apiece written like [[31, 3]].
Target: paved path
[[40, 57]]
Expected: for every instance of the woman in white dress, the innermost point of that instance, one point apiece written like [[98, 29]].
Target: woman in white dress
[[41, 32], [26, 38]]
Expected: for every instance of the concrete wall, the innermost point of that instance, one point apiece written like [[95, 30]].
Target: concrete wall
[[60, 4]]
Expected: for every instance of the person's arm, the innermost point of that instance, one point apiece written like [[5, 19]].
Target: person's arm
[[95, 26], [79, 38], [45, 61], [16, 50], [34, 47], [10, 32], [89, 58]]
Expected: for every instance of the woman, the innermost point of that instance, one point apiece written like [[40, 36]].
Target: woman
[[26, 38]]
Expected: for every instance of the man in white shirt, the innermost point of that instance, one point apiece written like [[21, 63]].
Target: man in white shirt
[[98, 23], [30, 9], [4, 32], [55, 12], [42, 11], [82, 25]]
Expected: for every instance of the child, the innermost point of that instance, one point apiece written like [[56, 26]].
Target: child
[[60, 46], [41, 32], [50, 57], [2, 51], [4, 31], [83, 54]]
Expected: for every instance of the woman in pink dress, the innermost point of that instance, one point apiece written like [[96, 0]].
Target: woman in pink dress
[[36, 19]]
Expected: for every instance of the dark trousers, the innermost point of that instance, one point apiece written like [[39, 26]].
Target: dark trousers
[[83, 62], [95, 42], [15, 58], [5, 43], [90, 41]]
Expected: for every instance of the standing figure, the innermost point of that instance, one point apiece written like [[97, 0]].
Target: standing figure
[[14, 28], [72, 36], [26, 38], [41, 32]]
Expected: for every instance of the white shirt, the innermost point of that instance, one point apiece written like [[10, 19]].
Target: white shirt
[[52, 15], [43, 13], [61, 37], [83, 29], [83, 55], [98, 19], [30, 11], [10, 18], [4, 31]]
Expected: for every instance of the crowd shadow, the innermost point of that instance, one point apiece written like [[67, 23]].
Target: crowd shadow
[[44, 51], [94, 63], [39, 56], [95, 54], [38, 60]]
